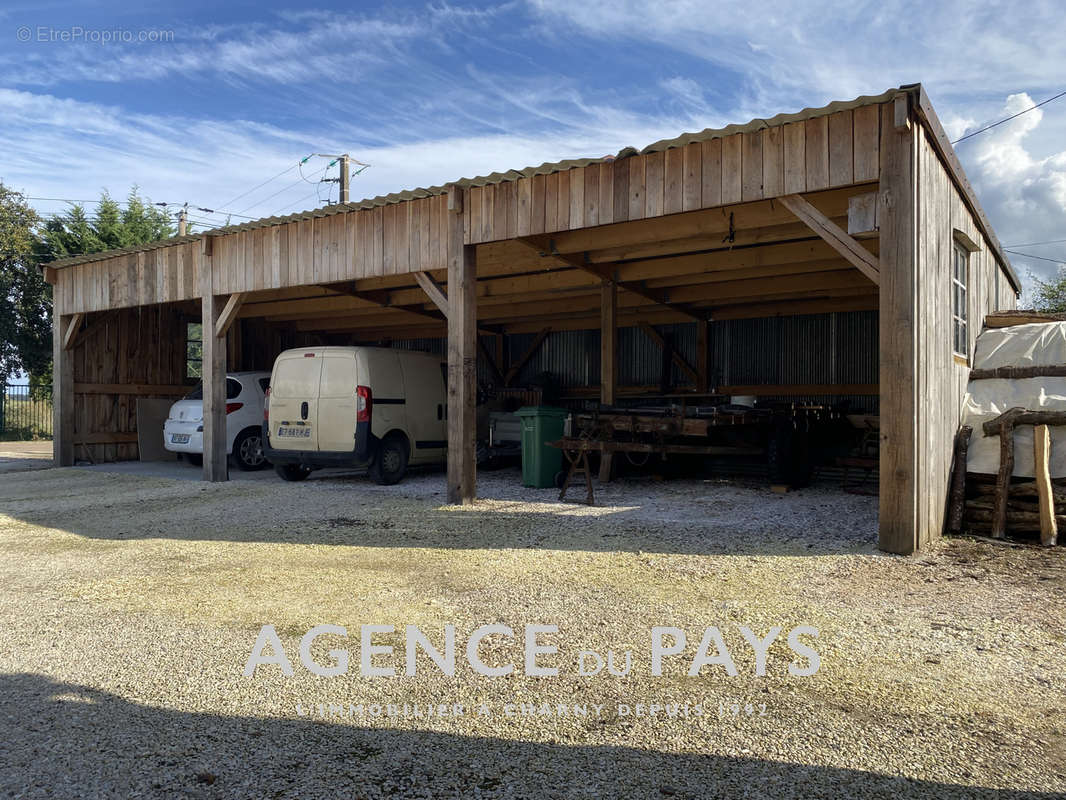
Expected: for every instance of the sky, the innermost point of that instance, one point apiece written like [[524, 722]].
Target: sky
[[202, 102]]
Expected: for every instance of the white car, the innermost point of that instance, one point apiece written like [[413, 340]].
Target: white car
[[183, 432]]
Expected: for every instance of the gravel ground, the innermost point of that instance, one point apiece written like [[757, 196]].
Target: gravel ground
[[129, 605]]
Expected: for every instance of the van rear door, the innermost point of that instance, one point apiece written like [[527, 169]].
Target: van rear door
[[293, 413], [337, 402]]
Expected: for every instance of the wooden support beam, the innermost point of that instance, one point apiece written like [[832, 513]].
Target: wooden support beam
[[703, 355], [62, 392], [676, 357], [902, 479], [213, 372], [1049, 530], [867, 263], [72, 330], [1016, 373], [545, 247], [1007, 319], [132, 389], [462, 357], [229, 314], [433, 290], [534, 346], [382, 299], [608, 361]]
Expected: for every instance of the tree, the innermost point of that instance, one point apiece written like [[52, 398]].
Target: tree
[[75, 233], [1050, 295], [25, 299]]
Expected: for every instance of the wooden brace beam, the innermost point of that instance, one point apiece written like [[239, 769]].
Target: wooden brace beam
[[229, 314], [72, 330], [545, 247], [433, 289], [677, 358], [861, 258], [512, 373]]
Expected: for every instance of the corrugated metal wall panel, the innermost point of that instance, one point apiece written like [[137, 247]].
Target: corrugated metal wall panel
[[816, 348]]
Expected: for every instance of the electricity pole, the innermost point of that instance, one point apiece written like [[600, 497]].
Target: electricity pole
[[183, 217], [345, 173]]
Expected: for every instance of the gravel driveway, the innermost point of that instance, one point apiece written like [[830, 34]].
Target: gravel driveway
[[130, 604]]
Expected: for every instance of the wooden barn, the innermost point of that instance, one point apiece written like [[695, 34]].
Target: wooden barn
[[842, 246]]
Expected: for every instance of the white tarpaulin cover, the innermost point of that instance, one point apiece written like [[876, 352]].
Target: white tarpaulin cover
[[1036, 345]]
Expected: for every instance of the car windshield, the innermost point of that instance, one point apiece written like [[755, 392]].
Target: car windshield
[[233, 388]]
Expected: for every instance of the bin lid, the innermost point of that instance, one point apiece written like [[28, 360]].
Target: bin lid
[[541, 411]]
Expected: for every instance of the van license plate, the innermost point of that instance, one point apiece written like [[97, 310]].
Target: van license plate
[[294, 433], [179, 438]]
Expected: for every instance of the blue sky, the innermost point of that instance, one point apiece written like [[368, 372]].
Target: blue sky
[[425, 93]]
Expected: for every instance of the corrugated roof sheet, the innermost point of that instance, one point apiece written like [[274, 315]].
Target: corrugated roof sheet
[[498, 177]]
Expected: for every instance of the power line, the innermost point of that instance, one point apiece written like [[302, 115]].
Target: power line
[[1008, 119], [1039, 258], [1037, 244], [264, 183], [283, 189]]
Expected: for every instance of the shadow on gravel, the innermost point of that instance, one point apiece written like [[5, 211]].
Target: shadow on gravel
[[688, 518], [62, 740]]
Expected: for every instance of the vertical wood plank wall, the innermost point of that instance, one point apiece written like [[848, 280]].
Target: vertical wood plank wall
[[135, 347], [941, 380], [829, 151]]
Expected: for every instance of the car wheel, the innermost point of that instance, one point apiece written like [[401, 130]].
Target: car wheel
[[248, 449], [196, 459], [390, 461], [292, 472]]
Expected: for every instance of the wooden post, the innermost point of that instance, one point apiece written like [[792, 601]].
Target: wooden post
[[957, 500], [608, 360], [608, 342], [462, 357], [62, 392], [213, 366], [1049, 530], [900, 485], [703, 355], [1006, 470]]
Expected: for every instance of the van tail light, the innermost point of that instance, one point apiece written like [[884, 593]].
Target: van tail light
[[266, 405], [364, 404], [231, 407]]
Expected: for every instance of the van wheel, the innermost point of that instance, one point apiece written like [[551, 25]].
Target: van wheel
[[390, 461], [292, 472], [248, 449]]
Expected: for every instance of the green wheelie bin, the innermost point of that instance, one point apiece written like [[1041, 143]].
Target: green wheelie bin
[[540, 461]]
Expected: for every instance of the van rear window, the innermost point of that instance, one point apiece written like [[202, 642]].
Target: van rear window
[[296, 377]]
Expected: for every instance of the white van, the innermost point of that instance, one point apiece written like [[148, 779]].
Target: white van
[[354, 406]]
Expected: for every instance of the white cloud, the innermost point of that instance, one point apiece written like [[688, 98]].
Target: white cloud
[[1023, 194]]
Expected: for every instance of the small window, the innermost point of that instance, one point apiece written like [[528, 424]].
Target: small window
[[194, 350], [959, 272], [264, 384]]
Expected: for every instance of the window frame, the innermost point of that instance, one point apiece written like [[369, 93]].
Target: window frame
[[189, 374], [960, 299]]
